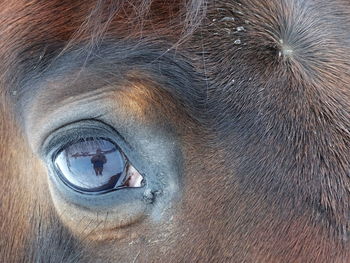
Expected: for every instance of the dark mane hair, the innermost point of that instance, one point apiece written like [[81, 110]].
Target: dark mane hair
[[42, 34]]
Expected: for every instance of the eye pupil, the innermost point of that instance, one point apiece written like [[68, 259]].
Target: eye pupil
[[95, 165]]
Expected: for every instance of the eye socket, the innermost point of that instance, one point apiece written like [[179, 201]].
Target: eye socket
[[95, 166]]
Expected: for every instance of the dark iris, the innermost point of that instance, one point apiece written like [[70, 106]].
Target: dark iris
[[95, 165]]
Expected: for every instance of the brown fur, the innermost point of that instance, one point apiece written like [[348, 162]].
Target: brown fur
[[254, 94]]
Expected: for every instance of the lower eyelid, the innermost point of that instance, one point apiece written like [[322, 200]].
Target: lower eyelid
[[121, 209]]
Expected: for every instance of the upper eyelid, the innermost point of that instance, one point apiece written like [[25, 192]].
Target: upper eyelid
[[66, 74], [77, 130]]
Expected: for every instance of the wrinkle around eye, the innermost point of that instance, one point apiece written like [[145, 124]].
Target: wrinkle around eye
[[126, 115]]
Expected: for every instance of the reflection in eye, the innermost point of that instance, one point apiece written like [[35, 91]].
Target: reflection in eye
[[96, 165]]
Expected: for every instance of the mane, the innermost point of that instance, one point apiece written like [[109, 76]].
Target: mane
[[45, 31]]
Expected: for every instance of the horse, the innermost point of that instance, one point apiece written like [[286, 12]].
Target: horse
[[232, 117]]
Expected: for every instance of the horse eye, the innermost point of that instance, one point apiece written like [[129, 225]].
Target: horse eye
[[95, 165]]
